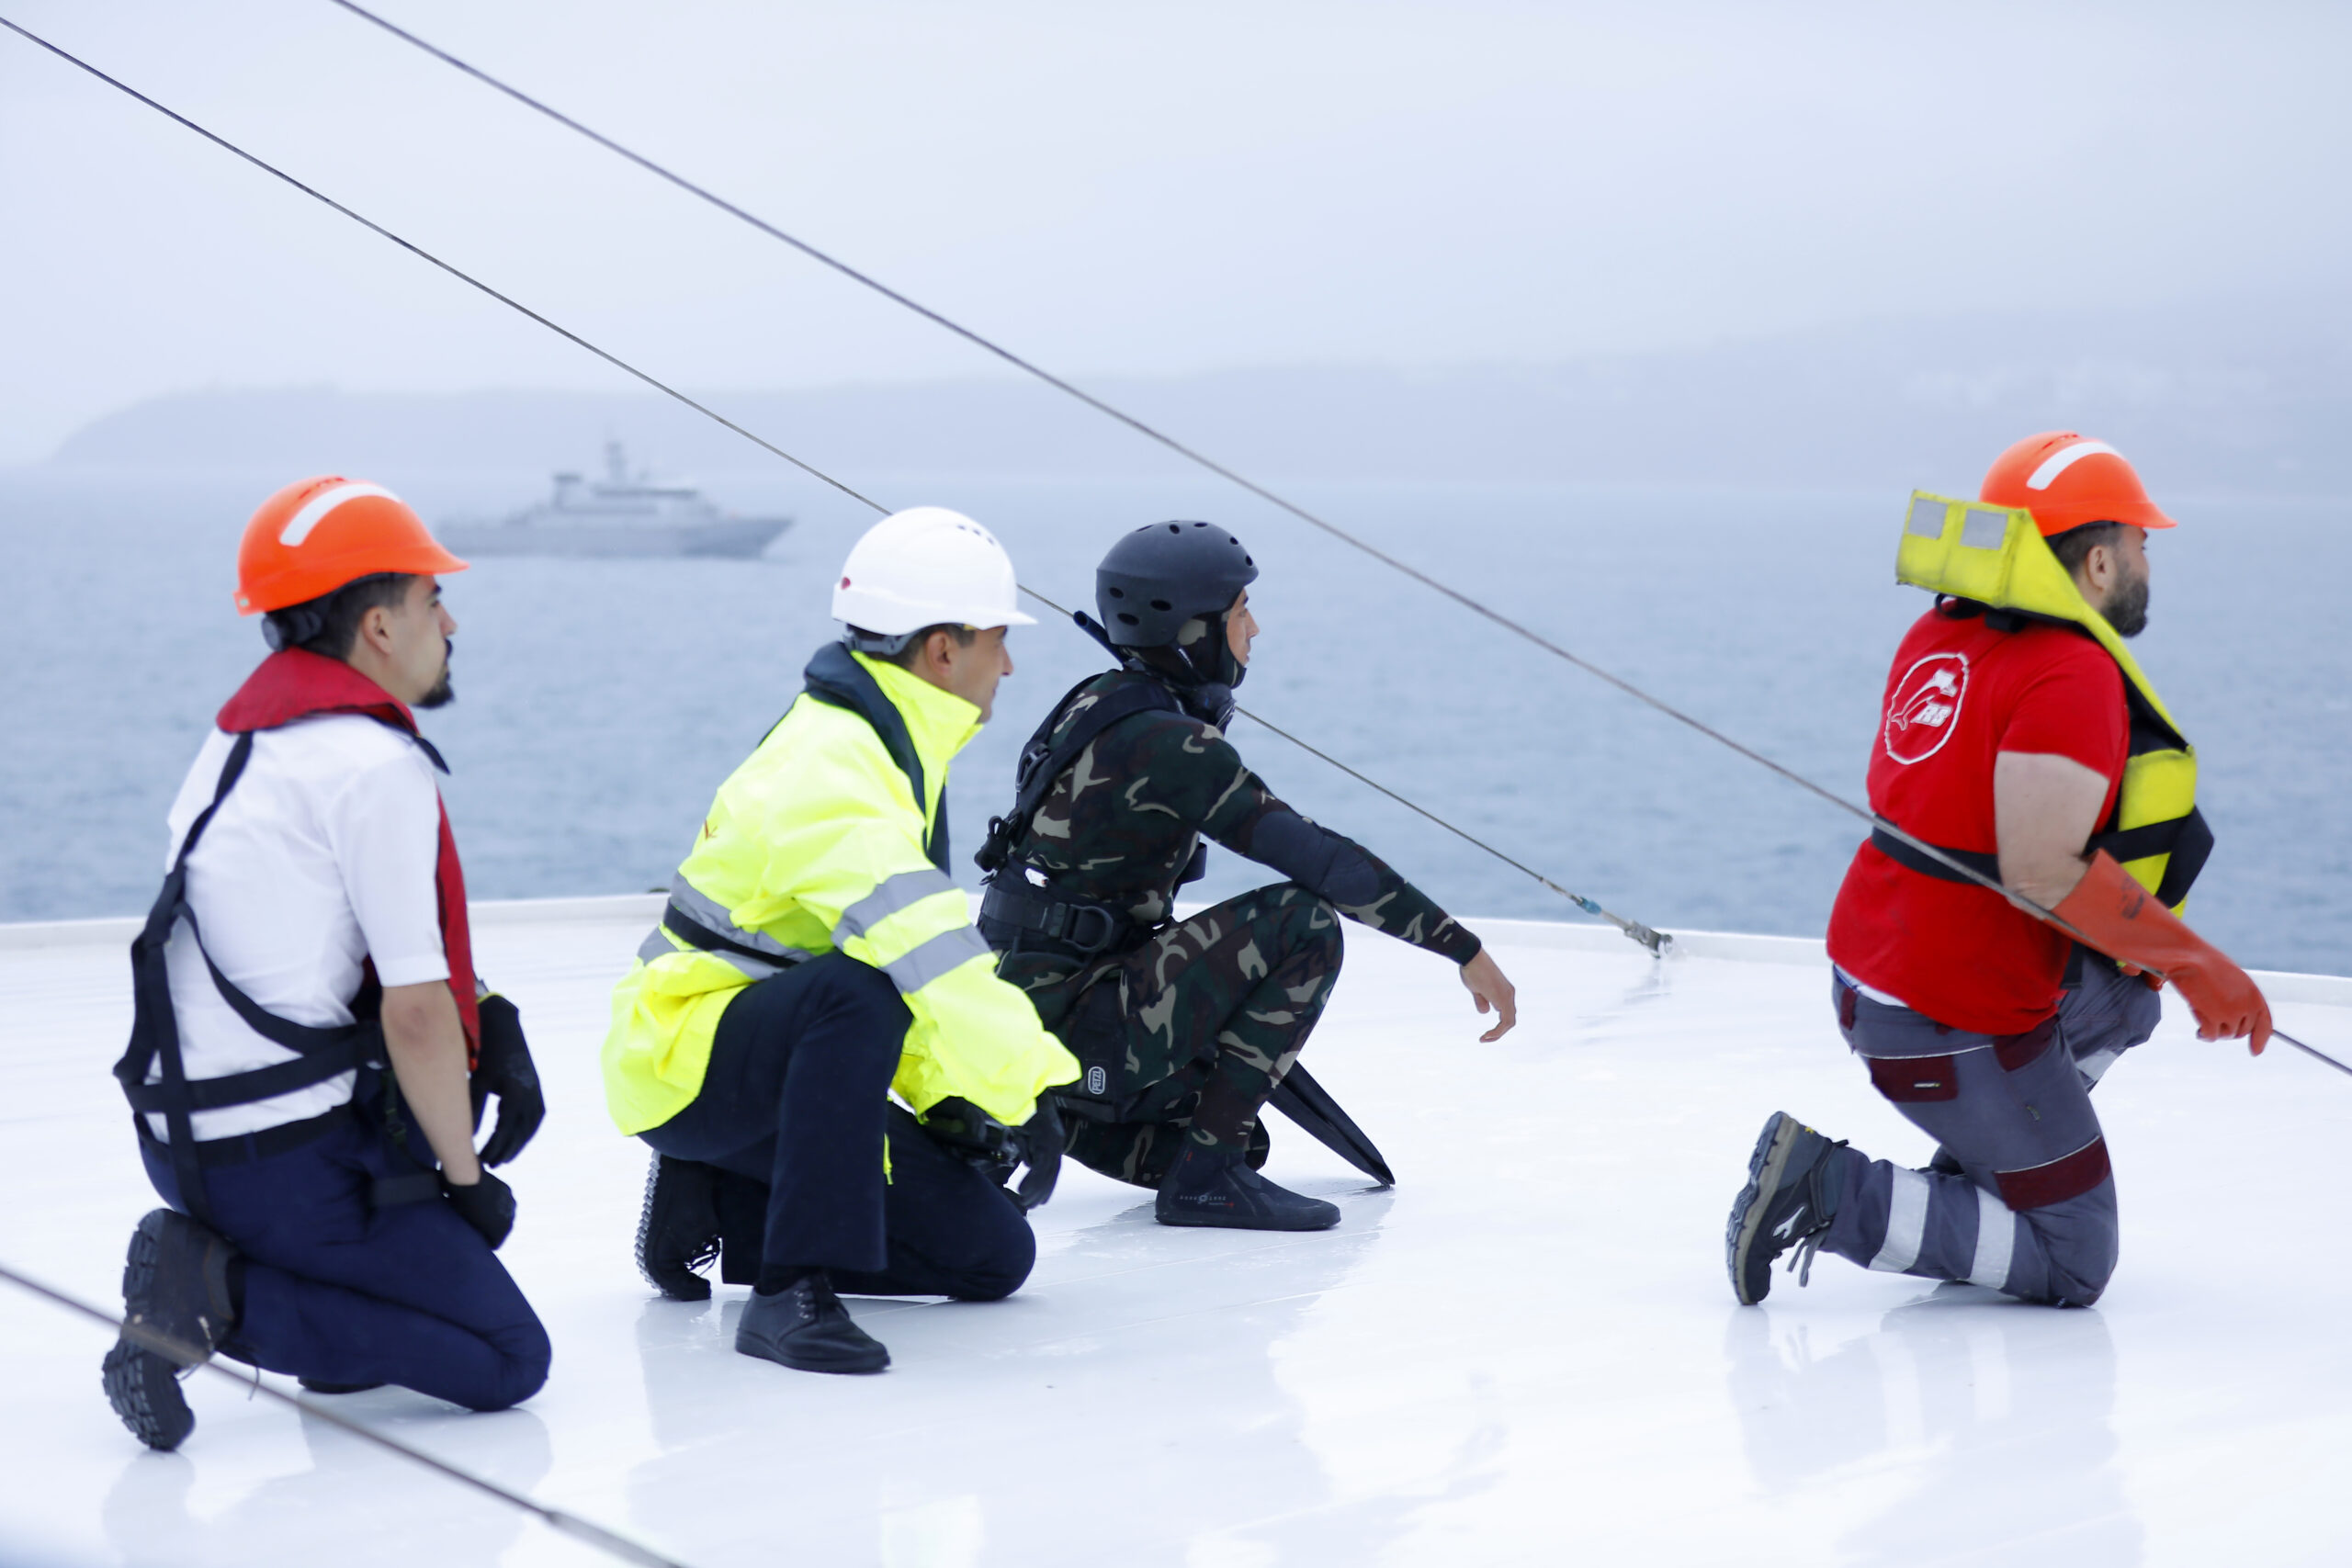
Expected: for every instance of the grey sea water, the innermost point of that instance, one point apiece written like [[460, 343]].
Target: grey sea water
[[600, 702]]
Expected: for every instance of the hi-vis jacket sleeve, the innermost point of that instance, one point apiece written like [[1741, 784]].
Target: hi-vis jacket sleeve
[[884, 904]]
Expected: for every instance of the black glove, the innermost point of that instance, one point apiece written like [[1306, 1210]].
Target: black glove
[[995, 1150], [488, 1205], [1042, 1139], [971, 1135], [504, 1069]]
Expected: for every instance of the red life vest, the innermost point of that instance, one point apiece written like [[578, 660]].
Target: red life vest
[[293, 684]]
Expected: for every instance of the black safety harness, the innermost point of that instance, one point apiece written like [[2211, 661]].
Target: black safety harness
[[1011, 909], [320, 1053]]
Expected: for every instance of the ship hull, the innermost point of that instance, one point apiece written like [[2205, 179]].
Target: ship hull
[[732, 538]]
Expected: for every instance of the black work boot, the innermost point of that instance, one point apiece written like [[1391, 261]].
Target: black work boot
[[1787, 1202], [677, 1231], [175, 1284], [806, 1327], [1217, 1187]]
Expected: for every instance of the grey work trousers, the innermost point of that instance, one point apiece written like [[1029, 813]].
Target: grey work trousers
[[2032, 1212]]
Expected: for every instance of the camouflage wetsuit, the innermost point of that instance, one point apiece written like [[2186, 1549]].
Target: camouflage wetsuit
[[1193, 1024]]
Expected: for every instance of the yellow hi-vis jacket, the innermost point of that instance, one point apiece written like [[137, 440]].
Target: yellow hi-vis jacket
[[818, 843], [1997, 557]]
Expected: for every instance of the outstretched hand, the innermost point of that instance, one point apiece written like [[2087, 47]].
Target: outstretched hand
[[1493, 993]]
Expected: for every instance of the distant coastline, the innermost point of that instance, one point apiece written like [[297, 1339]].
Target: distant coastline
[[2253, 401]]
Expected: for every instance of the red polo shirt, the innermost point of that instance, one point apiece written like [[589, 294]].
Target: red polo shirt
[[1959, 693]]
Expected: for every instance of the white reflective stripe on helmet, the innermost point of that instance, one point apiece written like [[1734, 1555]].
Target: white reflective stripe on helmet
[[2065, 458], [315, 510]]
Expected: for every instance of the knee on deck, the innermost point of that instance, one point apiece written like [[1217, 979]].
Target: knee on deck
[[1003, 1263]]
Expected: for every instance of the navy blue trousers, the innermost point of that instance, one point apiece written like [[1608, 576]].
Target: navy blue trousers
[[797, 1096], [339, 1291]]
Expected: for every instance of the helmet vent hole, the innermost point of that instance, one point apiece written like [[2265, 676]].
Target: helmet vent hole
[[1118, 593], [1161, 605], [1127, 620], [1175, 528]]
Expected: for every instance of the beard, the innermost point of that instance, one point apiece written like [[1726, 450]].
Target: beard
[[443, 693], [2126, 608]]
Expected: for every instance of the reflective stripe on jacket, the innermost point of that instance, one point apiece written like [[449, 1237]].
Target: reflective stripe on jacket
[[816, 844]]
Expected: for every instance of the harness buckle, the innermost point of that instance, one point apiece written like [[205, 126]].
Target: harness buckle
[[1074, 917]]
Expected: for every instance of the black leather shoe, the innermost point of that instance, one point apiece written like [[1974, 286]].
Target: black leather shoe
[[1217, 1187], [175, 1284], [806, 1327], [677, 1231]]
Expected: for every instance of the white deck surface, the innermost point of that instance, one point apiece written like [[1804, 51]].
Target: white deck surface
[[1525, 1353]]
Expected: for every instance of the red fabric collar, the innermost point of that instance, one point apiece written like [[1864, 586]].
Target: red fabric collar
[[291, 684]]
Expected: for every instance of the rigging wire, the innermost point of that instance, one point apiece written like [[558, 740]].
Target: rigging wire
[[1965, 873], [185, 1355], [1152, 432], [1141, 427], [1656, 942]]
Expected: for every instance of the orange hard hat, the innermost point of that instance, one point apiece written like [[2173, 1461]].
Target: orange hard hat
[[2067, 481], [317, 534]]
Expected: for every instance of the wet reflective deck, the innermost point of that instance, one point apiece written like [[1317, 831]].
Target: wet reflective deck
[[1526, 1352]]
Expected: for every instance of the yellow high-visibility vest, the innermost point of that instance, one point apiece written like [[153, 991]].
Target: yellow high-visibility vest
[[1997, 557], [818, 844]]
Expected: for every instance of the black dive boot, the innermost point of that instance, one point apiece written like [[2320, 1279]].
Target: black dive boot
[[677, 1231], [1217, 1187], [176, 1284], [805, 1326], [1787, 1202]]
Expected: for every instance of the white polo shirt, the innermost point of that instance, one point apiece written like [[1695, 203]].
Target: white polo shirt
[[323, 857]]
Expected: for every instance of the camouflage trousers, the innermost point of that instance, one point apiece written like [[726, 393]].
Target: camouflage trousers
[[1193, 1031]]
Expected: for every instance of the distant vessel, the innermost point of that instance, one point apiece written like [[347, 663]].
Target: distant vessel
[[620, 514]]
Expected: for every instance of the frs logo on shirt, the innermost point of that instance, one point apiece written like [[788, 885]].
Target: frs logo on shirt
[[1924, 708]]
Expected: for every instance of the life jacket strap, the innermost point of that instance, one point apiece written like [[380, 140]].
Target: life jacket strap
[[2186, 840], [1910, 859]]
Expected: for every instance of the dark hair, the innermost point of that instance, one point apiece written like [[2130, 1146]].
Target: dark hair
[[329, 624], [905, 657], [2075, 545]]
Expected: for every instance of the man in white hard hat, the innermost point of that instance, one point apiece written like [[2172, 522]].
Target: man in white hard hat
[[814, 958]]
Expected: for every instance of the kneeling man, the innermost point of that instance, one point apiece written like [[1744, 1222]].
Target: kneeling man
[[816, 956]]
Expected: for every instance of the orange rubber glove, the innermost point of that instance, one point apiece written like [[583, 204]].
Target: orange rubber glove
[[2124, 921]]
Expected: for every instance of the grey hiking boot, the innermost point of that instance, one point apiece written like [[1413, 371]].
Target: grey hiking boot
[[1789, 1202], [1217, 1187], [677, 1231], [175, 1287]]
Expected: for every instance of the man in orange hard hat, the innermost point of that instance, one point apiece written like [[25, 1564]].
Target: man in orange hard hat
[[2019, 748], [309, 1050]]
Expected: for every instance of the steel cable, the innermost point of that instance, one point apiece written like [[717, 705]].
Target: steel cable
[[1152, 432], [1656, 942], [184, 1355]]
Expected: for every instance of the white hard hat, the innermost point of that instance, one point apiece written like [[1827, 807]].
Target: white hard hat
[[927, 566]]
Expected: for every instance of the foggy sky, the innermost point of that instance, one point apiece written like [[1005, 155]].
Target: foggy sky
[[1126, 190]]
